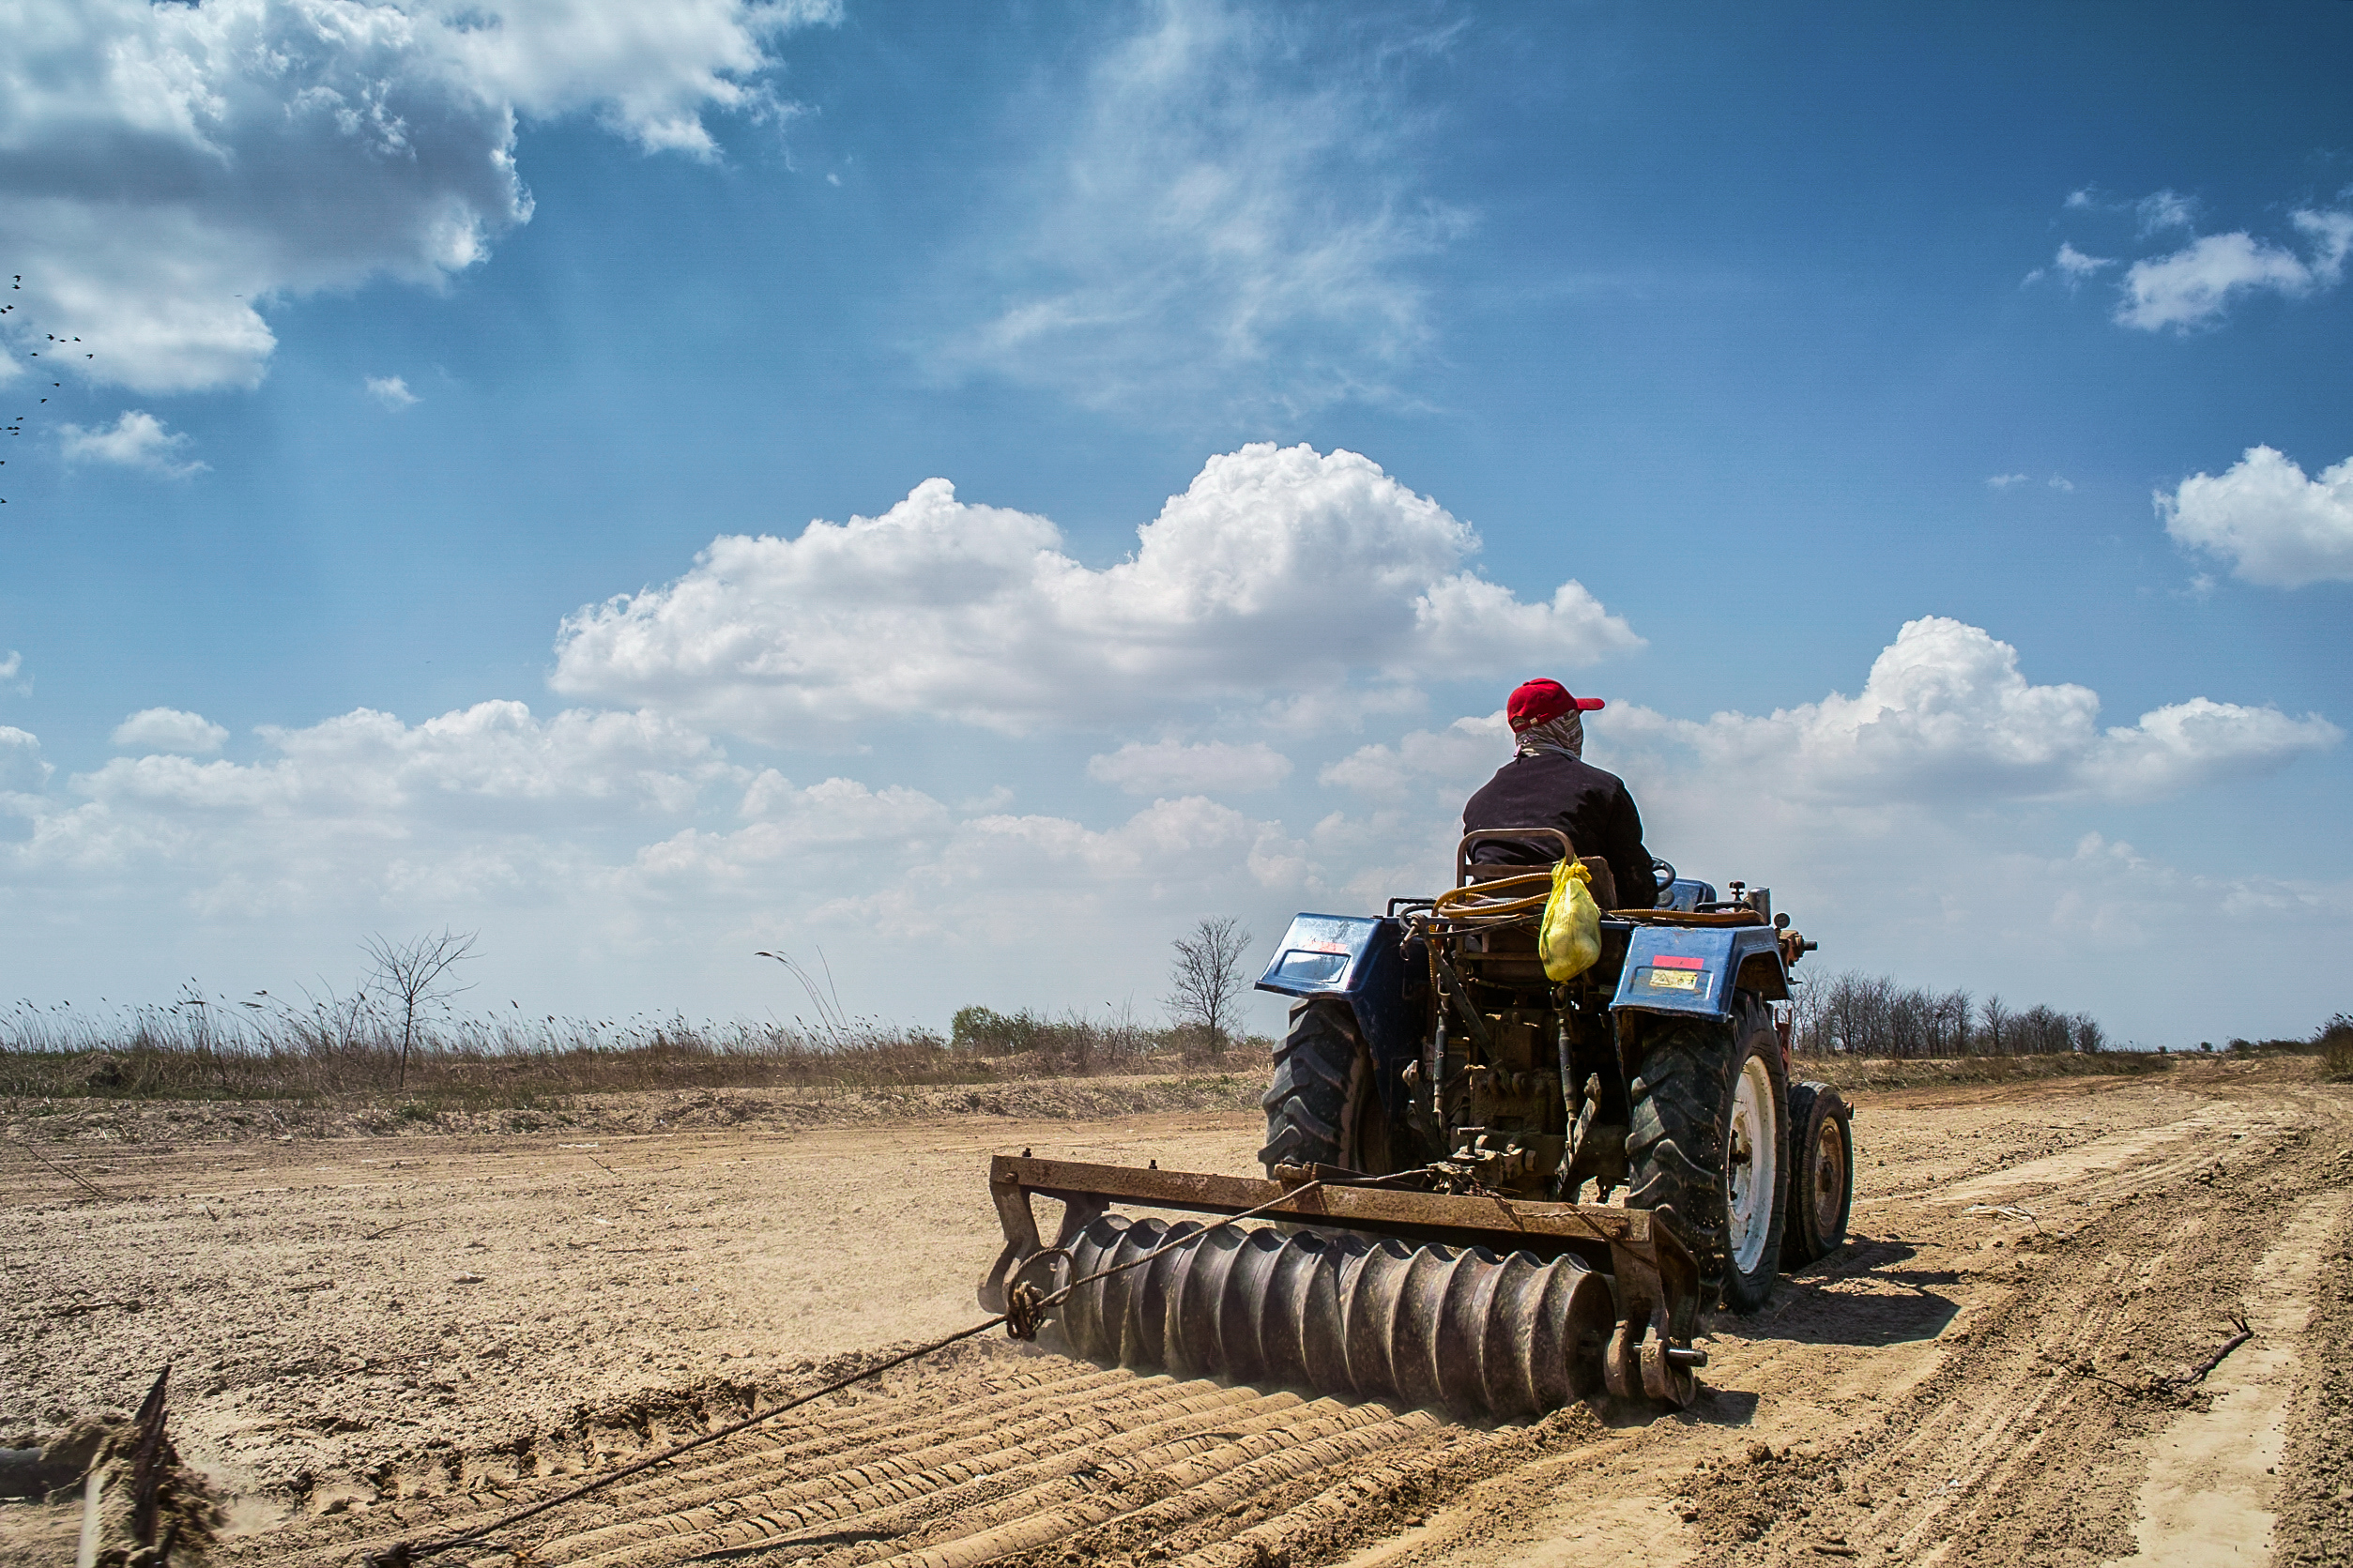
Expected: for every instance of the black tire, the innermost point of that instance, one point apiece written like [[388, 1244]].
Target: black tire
[[1821, 1174], [1682, 1132], [1322, 1107]]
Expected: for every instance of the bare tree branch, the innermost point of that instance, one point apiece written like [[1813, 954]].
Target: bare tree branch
[[415, 974], [1205, 980]]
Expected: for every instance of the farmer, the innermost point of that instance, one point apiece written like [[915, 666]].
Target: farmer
[[1547, 784]]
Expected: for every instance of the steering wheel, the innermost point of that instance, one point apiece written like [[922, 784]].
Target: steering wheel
[[1663, 873]]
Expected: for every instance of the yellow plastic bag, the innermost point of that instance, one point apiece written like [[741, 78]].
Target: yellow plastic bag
[[1571, 939]]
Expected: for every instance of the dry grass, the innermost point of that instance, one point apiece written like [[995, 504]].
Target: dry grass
[[1855, 1072], [201, 1050], [2336, 1048]]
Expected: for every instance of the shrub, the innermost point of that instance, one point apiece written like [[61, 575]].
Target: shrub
[[2335, 1040]]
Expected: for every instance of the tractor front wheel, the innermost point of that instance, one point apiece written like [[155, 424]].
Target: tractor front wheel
[[1707, 1142], [1322, 1107]]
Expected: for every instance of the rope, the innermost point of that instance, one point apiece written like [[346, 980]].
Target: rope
[[1495, 902], [1027, 1308]]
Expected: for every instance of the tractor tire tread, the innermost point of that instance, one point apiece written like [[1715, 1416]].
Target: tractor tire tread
[[1674, 1143], [1306, 1103]]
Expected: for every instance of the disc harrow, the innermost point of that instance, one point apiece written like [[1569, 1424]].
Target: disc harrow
[[1480, 1305], [1503, 1335]]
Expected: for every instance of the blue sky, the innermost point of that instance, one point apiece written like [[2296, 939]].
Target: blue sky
[[1925, 428]]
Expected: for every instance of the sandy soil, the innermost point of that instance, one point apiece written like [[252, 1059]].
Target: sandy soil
[[376, 1338]]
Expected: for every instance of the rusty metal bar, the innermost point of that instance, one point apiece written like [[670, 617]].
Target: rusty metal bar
[[1458, 1219]]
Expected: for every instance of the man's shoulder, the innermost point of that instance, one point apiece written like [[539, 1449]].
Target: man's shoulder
[[1575, 772], [1547, 776]]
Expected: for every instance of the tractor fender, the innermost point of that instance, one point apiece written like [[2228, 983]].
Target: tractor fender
[[1354, 959], [1695, 969]]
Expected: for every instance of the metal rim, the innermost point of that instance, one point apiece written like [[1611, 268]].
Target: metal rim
[[1749, 1161], [1829, 1175]]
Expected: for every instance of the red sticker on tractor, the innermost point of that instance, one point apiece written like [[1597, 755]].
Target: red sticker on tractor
[[1670, 961]]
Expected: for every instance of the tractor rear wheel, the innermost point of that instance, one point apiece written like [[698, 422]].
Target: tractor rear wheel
[[1708, 1144], [1821, 1174], [1322, 1107]]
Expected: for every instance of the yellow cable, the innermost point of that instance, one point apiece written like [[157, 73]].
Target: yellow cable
[[1486, 902]]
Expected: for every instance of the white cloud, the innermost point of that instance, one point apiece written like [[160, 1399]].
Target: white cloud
[[172, 168], [2161, 210], [2061, 482], [1172, 768], [136, 439], [357, 824], [20, 764], [2192, 286], [2071, 264], [1279, 573], [1456, 757], [1946, 715], [392, 392], [2003, 482], [1239, 191], [11, 666], [618, 859], [2274, 526], [2075, 266], [169, 729]]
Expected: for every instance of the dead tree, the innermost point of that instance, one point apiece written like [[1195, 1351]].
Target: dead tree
[[415, 976], [1205, 980]]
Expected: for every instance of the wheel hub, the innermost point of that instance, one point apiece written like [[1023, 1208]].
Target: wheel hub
[[1750, 1159]]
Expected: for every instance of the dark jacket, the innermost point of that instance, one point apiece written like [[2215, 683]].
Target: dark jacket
[[1592, 807]]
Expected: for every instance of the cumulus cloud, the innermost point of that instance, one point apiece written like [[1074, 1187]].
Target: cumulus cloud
[[2273, 524], [347, 791], [618, 858], [1239, 189], [1208, 767], [1945, 714], [2003, 482], [1462, 753], [1278, 572], [136, 439], [169, 729], [392, 392], [20, 764], [11, 667], [2192, 286], [174, 167]]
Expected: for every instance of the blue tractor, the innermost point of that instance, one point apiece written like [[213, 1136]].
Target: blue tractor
[[1446, 1131], [1431, 1034]]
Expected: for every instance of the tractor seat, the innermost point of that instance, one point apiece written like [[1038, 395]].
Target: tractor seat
[[1605, 887]]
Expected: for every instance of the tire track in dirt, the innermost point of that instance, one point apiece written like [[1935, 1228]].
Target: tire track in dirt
[[2025, 1441], [1954, 1388], [1075, 1454]]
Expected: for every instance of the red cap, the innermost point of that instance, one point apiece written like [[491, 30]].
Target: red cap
[[1539, 702]]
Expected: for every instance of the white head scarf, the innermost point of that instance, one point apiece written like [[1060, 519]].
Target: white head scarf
[[1564, 734]]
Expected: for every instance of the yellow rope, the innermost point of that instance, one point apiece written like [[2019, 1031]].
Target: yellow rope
[[1487, 903]]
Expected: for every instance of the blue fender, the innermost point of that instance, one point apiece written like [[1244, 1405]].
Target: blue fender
[[1683, 968], [1353, 959]]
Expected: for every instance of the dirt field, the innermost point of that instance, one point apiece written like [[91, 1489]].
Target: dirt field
[[376, 1338]]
